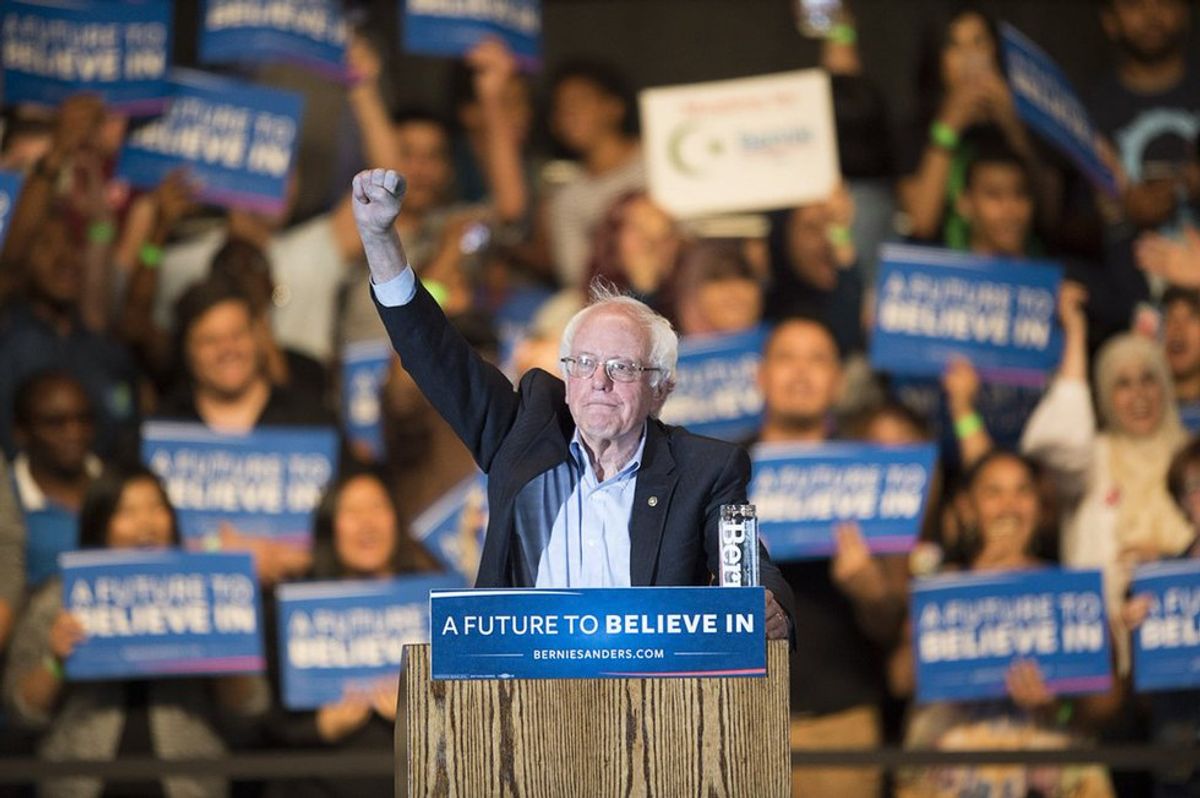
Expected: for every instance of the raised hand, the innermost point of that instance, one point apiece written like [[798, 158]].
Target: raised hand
[[494, 65], [377, 197]]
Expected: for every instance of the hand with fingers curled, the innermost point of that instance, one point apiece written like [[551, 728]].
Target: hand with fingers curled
[[378, 195]]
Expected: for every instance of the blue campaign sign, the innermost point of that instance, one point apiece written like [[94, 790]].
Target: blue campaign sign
[[347, 637], [162, 613], [452, 528], [934, 304], [55, 48], [803, 491], [263, 484], [236, 140], [598, 633], [1189, 416], [309, 32], [10, 192], [969, 629], [1046, 101], [452, 27], [1166, 650], [364, 368], [48, 533], [716, 385]]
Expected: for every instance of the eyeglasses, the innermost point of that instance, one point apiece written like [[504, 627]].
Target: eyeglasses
[[618, 370]]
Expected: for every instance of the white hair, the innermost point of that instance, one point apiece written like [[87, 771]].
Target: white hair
[[664, 343]]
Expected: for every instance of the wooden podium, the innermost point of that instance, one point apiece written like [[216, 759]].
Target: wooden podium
[[593, 737]]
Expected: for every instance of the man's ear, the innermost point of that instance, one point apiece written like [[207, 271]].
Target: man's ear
[[661, 392]]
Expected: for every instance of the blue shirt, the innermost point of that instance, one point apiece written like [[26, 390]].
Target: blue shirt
[[571, 529]]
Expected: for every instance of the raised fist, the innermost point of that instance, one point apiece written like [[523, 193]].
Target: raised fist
[[377, 196]]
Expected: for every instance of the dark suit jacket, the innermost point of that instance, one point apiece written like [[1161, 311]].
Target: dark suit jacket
[[516, 435]]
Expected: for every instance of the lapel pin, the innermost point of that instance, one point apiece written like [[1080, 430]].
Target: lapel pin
[[652, 501]]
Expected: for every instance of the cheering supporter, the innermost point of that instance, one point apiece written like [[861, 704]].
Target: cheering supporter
[[357, 535], [1002, 499], [846, 613], [636, 248], [1181, 342], [962, 92], [1111, 480], [996, 202], [55, 430], [41, 327], [716, 290], [305, 258], [169, 718], [813, 268], [228, 388], [593, 115]]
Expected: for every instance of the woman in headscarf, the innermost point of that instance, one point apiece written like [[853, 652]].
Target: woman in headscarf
[[1112, 477]]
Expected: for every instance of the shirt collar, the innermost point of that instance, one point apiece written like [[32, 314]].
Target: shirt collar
[[29, 494], [584, 462]]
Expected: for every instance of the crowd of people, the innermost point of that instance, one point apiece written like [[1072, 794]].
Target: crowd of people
[[123, 306]]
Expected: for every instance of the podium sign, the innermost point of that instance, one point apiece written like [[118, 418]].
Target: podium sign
[[598, 633]]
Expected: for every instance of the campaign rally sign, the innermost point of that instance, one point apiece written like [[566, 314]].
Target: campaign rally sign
[[969, 629], [452, 528], [749, 144], [802, 492], [162, 613], [347, 637], [365, 367], [119, 51], [716, 385], [309, 32], [597, 633], [262, 484], [1166, 647], [236, 140], [1047, 103], [453, 28], [934, 304], [10, 192]]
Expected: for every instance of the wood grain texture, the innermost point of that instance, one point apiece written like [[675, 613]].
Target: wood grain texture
[[593, 737]]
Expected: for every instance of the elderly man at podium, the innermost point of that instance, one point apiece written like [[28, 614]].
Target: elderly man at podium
[[586, 487]]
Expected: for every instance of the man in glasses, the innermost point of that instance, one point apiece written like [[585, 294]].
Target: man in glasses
[[586, 487]]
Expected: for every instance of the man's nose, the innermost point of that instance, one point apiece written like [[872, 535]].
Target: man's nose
[[600, 378]]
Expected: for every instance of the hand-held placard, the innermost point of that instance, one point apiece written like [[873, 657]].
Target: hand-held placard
[[738, 533]]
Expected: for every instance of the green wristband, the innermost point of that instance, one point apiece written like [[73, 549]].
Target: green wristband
[[53, 666], [967, 426], [943, 135], [101, 232], [839, 235], [151, 256], [1064, 713], [438, 291], [841, 33]]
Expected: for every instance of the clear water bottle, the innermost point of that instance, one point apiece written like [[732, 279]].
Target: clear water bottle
[[737, 535]]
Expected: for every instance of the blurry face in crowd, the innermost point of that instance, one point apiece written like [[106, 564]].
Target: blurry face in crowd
[[969, 50], [1182, 340], [809, 247], [801, 375], [424, 158], [1147, 30], [222, 350], [727, 305], [1004, 501], [603, 409], [61, 429], [890, 429], [1137, 399], [55, 270], [584, 114], [364, 527], [999, 208], [142, 519], [647, 244]]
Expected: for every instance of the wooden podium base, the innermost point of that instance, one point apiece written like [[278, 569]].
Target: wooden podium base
[[579, 738]]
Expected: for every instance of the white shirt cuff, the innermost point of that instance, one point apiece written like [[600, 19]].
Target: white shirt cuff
[[397, 291]]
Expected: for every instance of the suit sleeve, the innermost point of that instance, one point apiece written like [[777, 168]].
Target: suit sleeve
[[730, 488], [477, 401]]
